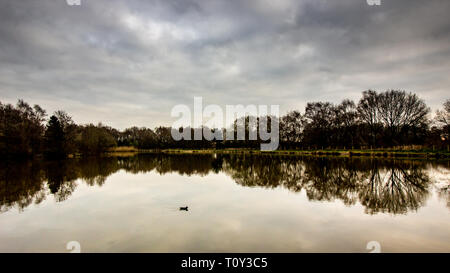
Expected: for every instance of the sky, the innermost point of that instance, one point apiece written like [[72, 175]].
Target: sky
[[128, 63]]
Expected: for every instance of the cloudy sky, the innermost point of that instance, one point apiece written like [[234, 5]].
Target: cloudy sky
[[129, 62]]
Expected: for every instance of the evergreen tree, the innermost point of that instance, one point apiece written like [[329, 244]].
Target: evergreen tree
[[54, 138]]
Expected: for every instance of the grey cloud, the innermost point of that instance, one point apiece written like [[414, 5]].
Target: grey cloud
[[128, 62]]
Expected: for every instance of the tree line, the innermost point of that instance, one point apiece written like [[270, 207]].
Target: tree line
[[386, 119]]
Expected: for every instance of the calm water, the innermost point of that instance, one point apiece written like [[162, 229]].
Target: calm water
[[235, 203]]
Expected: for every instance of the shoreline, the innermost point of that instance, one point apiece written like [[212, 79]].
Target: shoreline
[[337, 153]]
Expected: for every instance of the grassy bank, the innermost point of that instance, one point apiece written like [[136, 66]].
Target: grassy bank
[[386, 153]]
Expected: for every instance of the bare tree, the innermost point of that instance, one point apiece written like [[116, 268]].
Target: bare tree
[[345, 122], [291, 127], [443, 119], [443, 116], [319, 117], [399, 111]]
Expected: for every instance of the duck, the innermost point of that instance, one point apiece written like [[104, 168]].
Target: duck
[[184, 208]]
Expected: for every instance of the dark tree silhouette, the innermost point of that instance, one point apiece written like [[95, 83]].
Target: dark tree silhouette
[[21, 129], [54, 138], [443, 120], [291, 127], [95, 139], [369, 115], [402, 114], [319, 117]]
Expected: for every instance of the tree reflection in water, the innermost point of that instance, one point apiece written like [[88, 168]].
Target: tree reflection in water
[[381, 186]]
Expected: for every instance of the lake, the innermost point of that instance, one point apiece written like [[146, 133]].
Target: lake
[[236, 203]]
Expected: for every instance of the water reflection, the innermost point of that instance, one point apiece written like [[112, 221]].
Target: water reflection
[[381, 186]]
